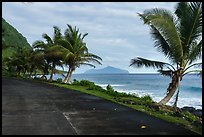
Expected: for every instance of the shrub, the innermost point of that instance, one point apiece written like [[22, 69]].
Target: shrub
[[188, 116], [59, 80], [92, 86], [86, 83], [75, 82], [147, 98], [109, 88]]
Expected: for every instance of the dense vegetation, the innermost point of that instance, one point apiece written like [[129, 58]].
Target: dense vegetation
[[21, 60], [13, 46], [68, 49], [11, 37]]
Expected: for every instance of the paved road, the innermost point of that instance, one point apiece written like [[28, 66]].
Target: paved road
[[34, 108]]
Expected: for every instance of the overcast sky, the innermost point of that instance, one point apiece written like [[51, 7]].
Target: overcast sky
[[115, 31]]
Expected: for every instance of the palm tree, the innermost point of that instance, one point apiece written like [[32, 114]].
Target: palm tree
[[39, 63], [20, 61], [75, 51], [51, 55], [179, 39]]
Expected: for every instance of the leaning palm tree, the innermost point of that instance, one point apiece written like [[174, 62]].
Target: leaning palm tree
[[178, 37], [75, 51], [52, 56]]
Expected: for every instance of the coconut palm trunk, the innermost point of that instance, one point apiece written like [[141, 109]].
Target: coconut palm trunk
[[171, 89], [68, 76], [176, 100], [52, 71]]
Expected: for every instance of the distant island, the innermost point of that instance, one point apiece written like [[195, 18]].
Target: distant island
[[107, 70]]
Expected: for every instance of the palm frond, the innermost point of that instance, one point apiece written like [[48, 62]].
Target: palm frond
[[57, 34], [164, 22], [88, 64], [198, 71], [195, 51], [89, 59], [38, 44], [93, 56], [193, 65], [81, 49], [140, 62], [47, 38], [66, 44], [190, 22], [160, 43], [84, 36], [57, 48], [166, 72]]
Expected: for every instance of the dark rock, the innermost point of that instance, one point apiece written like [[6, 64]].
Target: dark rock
[[154, 107], [177, 114], [197, 123], [189, 109], [198, 112]]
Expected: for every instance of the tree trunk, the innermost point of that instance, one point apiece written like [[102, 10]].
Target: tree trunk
[[18, 71], [52, 72], [30, 74], [171, 90], [67, 76], [176, 100], [70, 75]]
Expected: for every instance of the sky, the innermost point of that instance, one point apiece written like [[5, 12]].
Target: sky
[[115, 31]]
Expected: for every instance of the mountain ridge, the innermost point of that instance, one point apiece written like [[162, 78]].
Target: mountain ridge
[[107, 70], [11, 37]]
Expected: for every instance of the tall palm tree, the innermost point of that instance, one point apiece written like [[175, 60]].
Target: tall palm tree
[[39, 63], [51, 55], [178, 37], [75, 51]]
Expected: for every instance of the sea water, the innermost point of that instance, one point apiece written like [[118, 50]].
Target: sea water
[[154, 85]]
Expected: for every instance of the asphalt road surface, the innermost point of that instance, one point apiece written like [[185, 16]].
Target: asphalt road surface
[[35, 108]]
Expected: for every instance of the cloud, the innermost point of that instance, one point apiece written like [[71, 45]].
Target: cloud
[[115, 31]]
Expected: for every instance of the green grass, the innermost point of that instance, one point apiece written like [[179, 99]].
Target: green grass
[[137, 103]]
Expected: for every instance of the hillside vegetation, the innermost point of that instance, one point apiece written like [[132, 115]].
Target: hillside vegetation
[[12, 42], [11, 37]]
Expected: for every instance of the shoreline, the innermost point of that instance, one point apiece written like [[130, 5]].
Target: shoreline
[[182, 101], [157, 98], [154, 86]]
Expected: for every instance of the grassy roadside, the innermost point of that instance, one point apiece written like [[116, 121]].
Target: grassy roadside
[[144, 104]]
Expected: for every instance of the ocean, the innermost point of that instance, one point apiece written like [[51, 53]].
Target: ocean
[[154, 85]]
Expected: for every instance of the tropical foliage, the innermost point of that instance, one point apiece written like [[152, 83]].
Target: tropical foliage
[[75, 51], [11, 37], [51, 57], [13, 43], [44, 56], [69, 50], [178, 37]]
